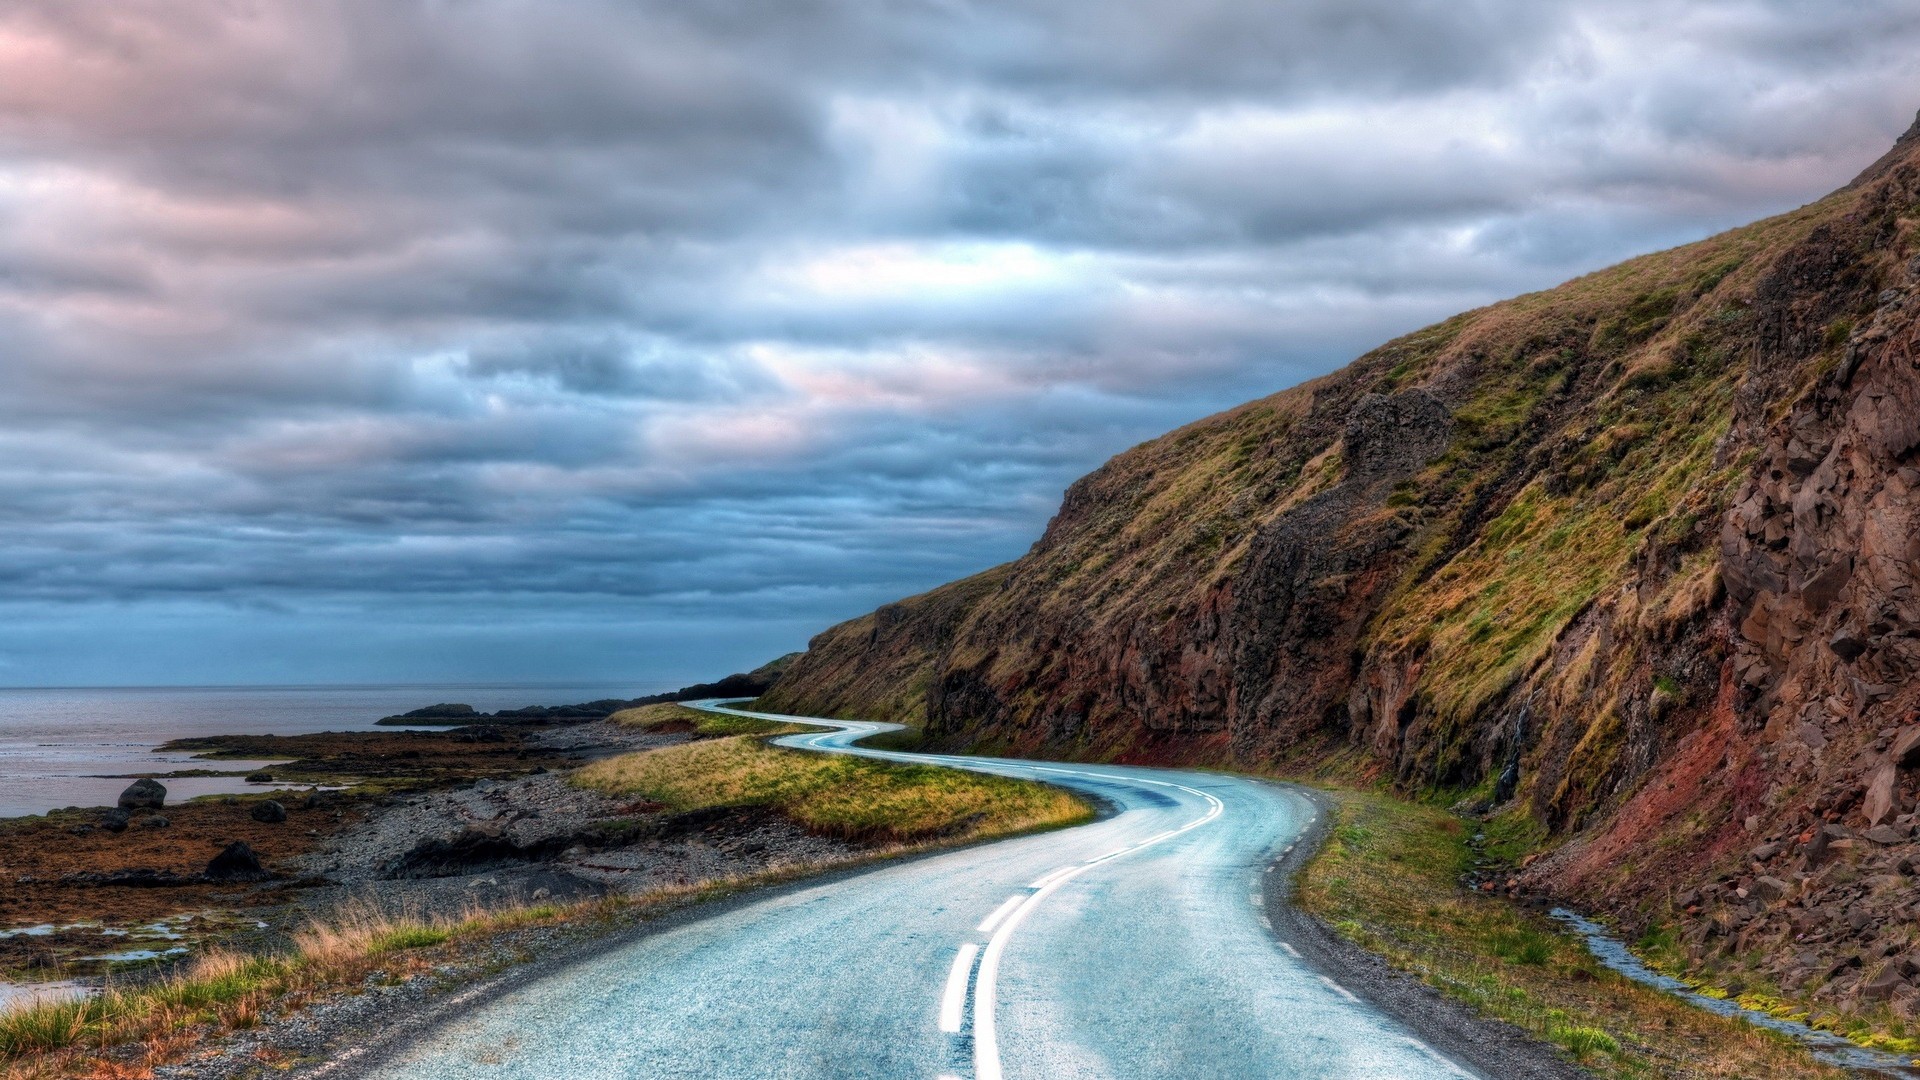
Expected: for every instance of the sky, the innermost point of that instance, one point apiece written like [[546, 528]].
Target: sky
[[441, 340]]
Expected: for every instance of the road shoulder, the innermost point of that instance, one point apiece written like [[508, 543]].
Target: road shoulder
[[1492, 1048]]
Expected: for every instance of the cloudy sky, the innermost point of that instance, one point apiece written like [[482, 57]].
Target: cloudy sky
[[364, 340]]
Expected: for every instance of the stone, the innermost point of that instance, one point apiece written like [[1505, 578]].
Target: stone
[[81, 829], [260, 778], [154, 821], [1882, 986], [144, 794], [1765, 852], [1816, 848], [1885, 834], [1769, 889], [137, 878], [236, 862], [1905, 751], [269, 812], [115, 820], [1847, 644], [1879, 805]]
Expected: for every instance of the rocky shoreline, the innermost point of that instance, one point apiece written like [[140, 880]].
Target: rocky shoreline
[[415, 823]]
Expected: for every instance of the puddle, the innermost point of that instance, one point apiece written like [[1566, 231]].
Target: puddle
[[1824, 1045], [20, 995], [128, 955], [149, 941]]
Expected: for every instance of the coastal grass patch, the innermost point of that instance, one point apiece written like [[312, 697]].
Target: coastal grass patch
[[1388, 879], [707, 725], [225, 990], [839, 795]]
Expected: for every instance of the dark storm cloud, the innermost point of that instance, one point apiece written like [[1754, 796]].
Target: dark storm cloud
[[655, 335]]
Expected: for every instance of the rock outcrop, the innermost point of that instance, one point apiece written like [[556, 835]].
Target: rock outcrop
[[1634, 557], [144, 794]]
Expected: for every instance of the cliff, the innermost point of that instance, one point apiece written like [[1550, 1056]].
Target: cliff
[[1633, 559]]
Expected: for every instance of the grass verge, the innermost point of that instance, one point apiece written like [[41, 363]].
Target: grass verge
[[1388, 880], [671, 717], [852, 798], [153, 1022]]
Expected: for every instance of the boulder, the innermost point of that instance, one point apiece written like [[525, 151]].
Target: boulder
[[1765, 852], [237, 862], [144, 794], [260, 778], [154, 821], [115, 820], [270, 812], [1769, 889], [1885, 834]]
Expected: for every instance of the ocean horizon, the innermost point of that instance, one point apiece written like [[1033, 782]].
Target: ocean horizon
[[76, 745]]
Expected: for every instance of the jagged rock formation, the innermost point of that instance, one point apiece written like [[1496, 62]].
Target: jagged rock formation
[[1635, 557]]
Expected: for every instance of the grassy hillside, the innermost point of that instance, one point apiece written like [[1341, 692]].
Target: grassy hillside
[[1634, 561]]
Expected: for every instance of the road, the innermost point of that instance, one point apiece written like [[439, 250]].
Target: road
[[1133, 947]]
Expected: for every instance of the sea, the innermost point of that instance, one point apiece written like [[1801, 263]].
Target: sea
[[64, 747]]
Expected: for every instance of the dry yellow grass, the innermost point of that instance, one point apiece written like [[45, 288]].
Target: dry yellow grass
[[834, 794]]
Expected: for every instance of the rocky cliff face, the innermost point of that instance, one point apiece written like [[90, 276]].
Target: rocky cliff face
[[1634, 559]]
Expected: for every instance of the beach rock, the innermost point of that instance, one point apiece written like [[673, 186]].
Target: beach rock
[[144, 794], [115, 820], [270, 812], [237, 862], [260, 778], [140, 878], [154, 821]]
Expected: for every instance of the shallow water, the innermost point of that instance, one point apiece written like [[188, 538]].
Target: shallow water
[[75, 747], [1825, 1045], [15, 995]]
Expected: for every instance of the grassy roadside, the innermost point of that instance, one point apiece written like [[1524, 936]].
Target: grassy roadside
[[126, 1031], [852, 798], [707, 725], [1388, 880]]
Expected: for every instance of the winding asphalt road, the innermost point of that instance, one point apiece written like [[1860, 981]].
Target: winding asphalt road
[[1134, 947]]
